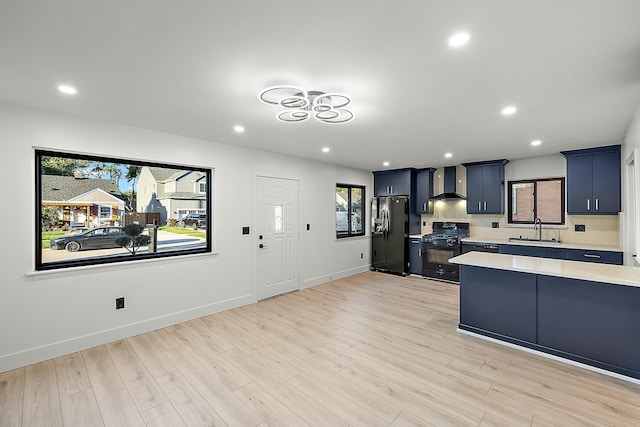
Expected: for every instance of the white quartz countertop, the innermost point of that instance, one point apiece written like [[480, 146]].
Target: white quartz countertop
[[605, 273], [486, 240]]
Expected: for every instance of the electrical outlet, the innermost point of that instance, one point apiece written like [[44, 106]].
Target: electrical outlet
[[580, 228], [119, 303], [495, 225], [245, 230]]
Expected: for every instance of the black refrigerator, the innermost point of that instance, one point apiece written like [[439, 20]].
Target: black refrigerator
[[390, 234]]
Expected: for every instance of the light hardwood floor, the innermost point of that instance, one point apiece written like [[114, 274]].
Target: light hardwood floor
[[370, 350]]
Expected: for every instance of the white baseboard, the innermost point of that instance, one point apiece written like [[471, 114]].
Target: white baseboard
[[72, 345], [334, 276]]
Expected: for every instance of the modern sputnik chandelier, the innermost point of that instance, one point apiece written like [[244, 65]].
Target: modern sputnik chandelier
[[300, 104]]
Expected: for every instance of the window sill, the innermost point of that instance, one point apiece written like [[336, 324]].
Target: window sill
[[86, 269]]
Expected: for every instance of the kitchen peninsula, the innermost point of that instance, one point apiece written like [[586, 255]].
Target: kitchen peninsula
[[584, 312]]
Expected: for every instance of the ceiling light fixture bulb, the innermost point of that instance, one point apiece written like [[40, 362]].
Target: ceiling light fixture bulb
[[325, 149], [385, 164], [459, 39], [67, 90], [238, 129], [536, 142], [448, 155], [507, 111]]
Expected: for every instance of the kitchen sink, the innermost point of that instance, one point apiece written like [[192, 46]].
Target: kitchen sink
[[527, 239]]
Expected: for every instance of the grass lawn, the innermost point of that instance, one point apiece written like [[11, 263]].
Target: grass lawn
[[48, 235], [184, 230]]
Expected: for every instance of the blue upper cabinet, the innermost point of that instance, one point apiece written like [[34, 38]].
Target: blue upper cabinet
[[392, 182], [424, 191], [485, 187], [593, 181]]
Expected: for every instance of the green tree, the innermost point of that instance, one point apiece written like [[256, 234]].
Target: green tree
[[132, 175], [49, 217], [134, 238], [63, 166], [104, 170]]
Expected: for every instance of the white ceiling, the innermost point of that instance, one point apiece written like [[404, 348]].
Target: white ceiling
[[195, 68]]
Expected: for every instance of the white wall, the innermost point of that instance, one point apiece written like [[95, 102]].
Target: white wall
[[53, 313], [536, 168], [630, 192]]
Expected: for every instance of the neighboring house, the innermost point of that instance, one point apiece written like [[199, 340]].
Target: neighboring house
[[82, 202], [173, 193]]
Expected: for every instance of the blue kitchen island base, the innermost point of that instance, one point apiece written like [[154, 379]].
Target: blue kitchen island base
[[590, 322]]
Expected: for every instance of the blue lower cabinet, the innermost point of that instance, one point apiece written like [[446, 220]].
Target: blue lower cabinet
[[588, 322], [415, 256], [591, 322], [503, 303], [603, 257]]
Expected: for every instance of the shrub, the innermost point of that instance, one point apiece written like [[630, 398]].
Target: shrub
[[134, 238]]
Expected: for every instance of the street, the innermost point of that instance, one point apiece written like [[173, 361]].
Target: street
[[166, 242]]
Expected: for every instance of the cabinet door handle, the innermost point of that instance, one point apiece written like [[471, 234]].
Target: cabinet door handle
[[597, 208], [391, 189], [424, 207], [588, 204], [485, 205], [592, 256], [479, 206]]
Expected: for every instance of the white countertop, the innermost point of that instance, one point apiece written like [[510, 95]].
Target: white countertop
[[605, 273], [486, 240]]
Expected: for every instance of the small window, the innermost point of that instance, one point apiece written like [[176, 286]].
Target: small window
[[536, 198], [349, 210], [278, 219]]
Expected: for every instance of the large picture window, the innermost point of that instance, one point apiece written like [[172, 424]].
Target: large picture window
[[349, 210], [536, 198], [98, 210]]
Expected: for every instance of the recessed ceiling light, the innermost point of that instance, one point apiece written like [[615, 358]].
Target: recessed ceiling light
[[536, 142], [238, 129], [459, 39], [448, 155], [385, 164], [67, 90], [325, 149], [507, 111]]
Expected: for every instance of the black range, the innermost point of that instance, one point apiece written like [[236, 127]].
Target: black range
[[443, 243]]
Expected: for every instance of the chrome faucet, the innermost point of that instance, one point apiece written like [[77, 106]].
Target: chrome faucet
[[537, 225]]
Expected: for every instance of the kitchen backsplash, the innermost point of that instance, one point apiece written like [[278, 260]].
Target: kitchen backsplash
[[599, 229]]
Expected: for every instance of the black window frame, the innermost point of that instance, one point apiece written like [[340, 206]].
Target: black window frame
[[563, 200], [57, 265], [350, 232]]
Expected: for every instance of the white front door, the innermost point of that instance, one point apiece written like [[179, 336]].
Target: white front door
[[277, 231]]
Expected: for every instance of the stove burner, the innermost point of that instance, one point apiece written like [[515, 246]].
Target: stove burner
[[442, 239]]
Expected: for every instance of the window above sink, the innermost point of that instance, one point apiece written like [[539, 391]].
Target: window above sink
[[543, 198]]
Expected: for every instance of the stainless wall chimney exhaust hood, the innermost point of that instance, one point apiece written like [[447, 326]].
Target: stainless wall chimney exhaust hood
[[450, 183]]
